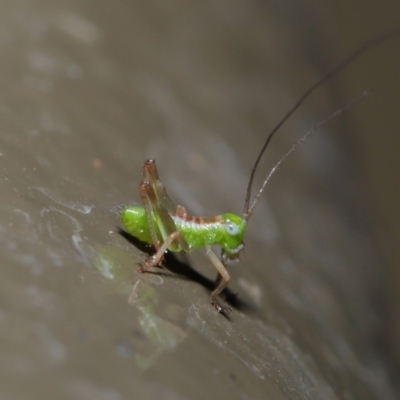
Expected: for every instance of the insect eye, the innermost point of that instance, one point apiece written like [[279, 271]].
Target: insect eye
[[231, 228]]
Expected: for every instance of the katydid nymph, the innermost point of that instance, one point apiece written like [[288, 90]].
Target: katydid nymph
[[170, 228]]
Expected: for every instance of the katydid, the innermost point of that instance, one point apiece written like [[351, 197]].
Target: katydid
[[167, 227]]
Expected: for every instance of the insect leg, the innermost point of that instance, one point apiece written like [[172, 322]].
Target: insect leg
[[151, 175], [157, 204], [159, 207], [156, 258], [157, 215], [222, 280], [162, 227], [145, 194]]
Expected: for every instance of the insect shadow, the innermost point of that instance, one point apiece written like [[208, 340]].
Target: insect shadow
[[182, 269]]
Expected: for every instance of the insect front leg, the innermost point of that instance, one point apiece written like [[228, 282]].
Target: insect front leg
[[222, 280]]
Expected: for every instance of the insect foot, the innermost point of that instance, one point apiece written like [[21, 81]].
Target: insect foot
[[141, 268], [147, 266], [219, 308]]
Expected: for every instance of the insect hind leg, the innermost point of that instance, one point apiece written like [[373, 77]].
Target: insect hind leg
[[146, 196], [150, 174], [158, 257], [159, 208]]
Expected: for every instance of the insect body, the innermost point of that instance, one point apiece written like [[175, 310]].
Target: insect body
[[170, 228], [225, 230]]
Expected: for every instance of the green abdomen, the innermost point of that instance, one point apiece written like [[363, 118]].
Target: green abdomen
[[135, 222]]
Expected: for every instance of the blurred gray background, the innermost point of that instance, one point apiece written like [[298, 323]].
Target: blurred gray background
[[89, 90]]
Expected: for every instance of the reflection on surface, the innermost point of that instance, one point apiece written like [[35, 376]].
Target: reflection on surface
[[162, 335]]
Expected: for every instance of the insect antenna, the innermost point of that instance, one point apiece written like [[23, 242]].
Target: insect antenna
[[317, 126], [248, 209]]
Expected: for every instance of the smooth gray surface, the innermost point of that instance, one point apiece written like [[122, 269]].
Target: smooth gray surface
[[89, 90]]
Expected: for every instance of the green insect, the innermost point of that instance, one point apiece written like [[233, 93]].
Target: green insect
[[170, 228]]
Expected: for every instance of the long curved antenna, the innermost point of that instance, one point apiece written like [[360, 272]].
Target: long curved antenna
[[317, 126], [339, 67]]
